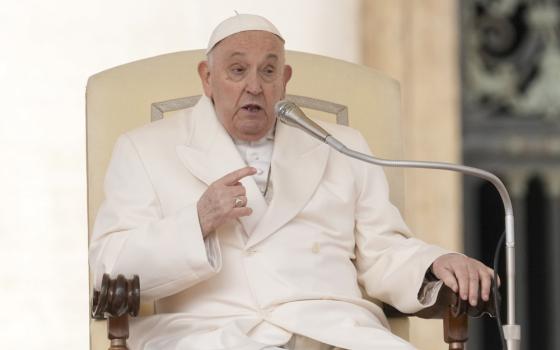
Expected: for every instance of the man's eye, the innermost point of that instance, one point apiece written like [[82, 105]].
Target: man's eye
[[269, 70], [237, 70]]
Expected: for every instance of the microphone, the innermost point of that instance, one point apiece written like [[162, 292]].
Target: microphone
[[290, 114]]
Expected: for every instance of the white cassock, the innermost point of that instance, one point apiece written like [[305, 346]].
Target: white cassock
[[295, 266]]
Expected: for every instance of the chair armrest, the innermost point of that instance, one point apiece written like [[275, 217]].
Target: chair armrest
[[454, 312], [447, 299], [120, 297], [116, 300]]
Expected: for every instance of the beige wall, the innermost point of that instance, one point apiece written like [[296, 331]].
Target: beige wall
[[416, 42]]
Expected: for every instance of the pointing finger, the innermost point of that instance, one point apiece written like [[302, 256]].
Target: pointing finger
[[234, 191], [233, 178]]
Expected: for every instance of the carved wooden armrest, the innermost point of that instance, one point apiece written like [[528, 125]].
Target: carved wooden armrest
[[120, 297], [454, 312], [115, 301]]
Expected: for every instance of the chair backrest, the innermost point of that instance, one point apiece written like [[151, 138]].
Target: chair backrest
[[127, 96]]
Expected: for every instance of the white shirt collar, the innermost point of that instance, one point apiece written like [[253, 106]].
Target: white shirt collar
[[266, 138]]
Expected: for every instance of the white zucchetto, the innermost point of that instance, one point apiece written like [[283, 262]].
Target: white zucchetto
[[240, 23]]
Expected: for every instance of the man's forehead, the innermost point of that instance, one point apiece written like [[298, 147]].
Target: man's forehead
[[240, 54]]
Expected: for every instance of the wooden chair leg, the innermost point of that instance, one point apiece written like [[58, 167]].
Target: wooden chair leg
[[455, 328], [117, 299], [117, 332]]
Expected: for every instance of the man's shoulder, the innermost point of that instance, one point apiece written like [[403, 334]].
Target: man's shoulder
[[346, 134], [173, 128], [338, 129]]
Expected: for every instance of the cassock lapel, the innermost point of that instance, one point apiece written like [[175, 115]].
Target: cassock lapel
[[210, 154], [298, 164]]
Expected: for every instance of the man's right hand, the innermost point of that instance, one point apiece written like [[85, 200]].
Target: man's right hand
[[218, 203]]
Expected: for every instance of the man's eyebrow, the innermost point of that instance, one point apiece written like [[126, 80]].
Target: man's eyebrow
[[269, 56], [236, 53], [272, 56]]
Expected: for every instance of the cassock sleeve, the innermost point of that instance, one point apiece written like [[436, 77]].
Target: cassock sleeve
[[132, 236], [391, 264]]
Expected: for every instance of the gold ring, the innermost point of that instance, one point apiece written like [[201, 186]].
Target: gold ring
[[238, 203]]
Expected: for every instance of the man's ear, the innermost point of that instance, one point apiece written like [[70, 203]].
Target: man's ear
[[287, 74], [204, 74]]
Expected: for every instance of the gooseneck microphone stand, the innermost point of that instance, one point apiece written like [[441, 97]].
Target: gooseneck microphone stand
[[290, 114]]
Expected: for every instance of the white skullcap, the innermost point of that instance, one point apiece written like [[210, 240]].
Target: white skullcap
[[240, 23]]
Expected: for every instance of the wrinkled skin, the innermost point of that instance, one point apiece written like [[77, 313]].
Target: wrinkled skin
[[466, 276], [245, 75]]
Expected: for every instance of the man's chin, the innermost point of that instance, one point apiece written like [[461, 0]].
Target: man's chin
[[250, 133]]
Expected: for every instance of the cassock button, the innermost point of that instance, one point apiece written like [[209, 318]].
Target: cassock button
[[250, 252], [316, 248]]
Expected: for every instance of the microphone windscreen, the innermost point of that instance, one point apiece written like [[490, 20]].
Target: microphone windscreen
[[290, 114]]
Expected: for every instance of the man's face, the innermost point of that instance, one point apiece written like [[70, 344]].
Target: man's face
[[245, 76]]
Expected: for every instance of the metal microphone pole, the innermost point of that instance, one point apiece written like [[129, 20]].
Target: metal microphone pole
[[290, 114], [512, 331]]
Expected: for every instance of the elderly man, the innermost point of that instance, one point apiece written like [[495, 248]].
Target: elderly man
[[249, 234]]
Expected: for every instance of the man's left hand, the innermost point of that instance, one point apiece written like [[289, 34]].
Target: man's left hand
[[462, 274]]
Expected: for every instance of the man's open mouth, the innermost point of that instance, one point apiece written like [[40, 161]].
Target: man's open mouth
[[251, 107]]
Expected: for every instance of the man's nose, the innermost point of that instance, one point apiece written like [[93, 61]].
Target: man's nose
[[254, 83]]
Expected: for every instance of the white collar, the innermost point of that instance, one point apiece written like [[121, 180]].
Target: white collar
[[265, 139]]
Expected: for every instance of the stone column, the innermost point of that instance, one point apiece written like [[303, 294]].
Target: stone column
[[416, 42]]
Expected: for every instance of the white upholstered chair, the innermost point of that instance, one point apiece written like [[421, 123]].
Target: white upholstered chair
[[136, 93]]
